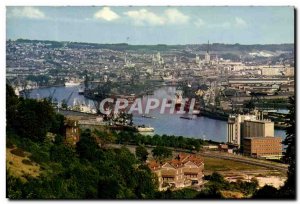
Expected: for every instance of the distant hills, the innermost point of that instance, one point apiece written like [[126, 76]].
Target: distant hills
[[215, 47]]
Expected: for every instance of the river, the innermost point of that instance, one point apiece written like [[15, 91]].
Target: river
[[169, 124]]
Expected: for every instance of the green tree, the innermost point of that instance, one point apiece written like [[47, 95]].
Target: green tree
[[141, 153], [289, 188], [34, 119], [104, 138], [266, 192], [11, 106], [161, 152]]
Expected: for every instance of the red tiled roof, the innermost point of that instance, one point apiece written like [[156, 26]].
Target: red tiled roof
[[178, 162]]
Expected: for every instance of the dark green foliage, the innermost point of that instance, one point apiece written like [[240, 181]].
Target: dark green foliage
[[34, 119], [125, 137], [12, 102], [86, 148], [89, 173], [19, 152], [31, 118], [141, 153], [209, 193], [161, 152], [9, 144], [62, 154], [267, 192], [27, 162], [13, 187], [58, 125], [289, 189], [178, 194]]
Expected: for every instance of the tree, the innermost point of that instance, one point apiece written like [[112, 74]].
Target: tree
[[87, 146], [11, 106], [266, 192], [34, 119], [161, 152], [289, 189], [104, 138], [141, 153]]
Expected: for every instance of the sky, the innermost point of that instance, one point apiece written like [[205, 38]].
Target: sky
[[152, 25]]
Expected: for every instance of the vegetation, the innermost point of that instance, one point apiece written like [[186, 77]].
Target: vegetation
[[288, 191], [216, 164], [141, 153], [133, 138], [162, 47], [38, 168], [161, 153]]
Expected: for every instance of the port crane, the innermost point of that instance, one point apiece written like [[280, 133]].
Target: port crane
[[51, 94], [64, 102]]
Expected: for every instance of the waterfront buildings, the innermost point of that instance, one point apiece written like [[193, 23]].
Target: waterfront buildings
[[258, 128], [234, 128], [182, 171], [254, 136], [266, 147]]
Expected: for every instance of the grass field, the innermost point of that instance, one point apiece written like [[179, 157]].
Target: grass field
[[20, 165], [215, 164]]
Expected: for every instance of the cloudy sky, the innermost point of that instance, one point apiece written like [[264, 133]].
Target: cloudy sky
[[153, 25]]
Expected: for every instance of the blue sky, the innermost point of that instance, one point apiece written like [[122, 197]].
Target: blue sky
[[153, 25]]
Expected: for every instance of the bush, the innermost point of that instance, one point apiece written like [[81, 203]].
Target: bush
[[9, 144], [27, 162], [19, 152]]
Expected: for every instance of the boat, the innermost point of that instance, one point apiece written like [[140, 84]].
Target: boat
[[143, 128], [186, 117], [196, 112], [81, 90], [72, 83], [148, 116]]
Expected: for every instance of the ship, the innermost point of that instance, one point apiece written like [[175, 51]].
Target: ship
[[148, 116], [72, 83], [143, 128], [81, 90], [187, 117]]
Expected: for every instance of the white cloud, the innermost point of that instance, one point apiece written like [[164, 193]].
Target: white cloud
[[144, 17], [26, 12], [106, 14], [175, 17], [199, 22], [240, 22]]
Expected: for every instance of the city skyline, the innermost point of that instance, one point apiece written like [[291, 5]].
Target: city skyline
[[153, 25]]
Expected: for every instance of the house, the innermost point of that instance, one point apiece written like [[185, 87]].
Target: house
[[72, 132], [183, 171]]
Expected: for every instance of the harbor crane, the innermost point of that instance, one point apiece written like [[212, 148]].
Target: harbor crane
[[64, 103]]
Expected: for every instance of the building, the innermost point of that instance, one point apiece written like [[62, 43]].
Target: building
[[289, 71], [266, 147], [72, 132], [271, 71], [182, 171], [258, 128], [235, 127]]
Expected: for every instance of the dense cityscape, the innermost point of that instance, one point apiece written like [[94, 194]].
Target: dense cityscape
[[231, 136]]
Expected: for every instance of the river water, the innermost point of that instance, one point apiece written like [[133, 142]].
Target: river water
[[169, 124]]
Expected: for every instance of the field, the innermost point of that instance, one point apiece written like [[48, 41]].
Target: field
[[215, 164], [20, 165]]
